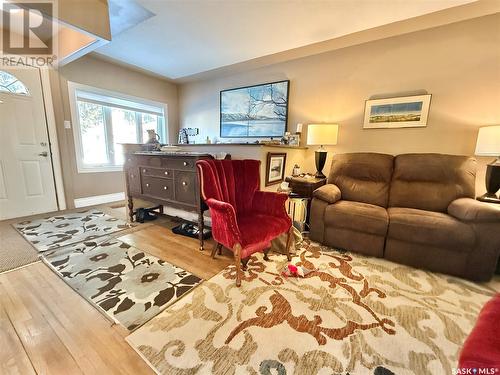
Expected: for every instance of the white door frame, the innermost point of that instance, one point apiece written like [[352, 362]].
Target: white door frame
[[53, 141]]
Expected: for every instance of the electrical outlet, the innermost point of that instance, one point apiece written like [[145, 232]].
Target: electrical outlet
[[67, 124]]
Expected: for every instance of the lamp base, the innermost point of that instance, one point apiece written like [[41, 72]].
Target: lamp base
[[320, 158], [492, 183]]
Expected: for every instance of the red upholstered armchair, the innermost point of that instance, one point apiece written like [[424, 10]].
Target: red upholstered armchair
[[244, 219]]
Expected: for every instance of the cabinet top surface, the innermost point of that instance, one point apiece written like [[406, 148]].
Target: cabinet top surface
[[172, 154]]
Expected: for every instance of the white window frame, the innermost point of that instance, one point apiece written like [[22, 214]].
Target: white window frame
[[116, 99]]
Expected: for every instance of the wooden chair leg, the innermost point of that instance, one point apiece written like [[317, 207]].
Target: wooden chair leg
[[214, 250], [266, 258], [237, 263], [289, 239], [220, 249], [244, 263]]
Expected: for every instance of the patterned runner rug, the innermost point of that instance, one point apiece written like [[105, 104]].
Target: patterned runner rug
[[126, 284], [354, 315], [62, 230]]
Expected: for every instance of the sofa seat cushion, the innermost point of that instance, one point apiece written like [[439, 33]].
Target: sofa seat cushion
[[357, 216], [430, 228]]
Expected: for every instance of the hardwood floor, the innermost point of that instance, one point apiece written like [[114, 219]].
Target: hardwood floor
[[47, 328], [179, 250]]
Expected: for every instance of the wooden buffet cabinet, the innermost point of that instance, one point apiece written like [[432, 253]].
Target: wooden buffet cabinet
[[168, 179]]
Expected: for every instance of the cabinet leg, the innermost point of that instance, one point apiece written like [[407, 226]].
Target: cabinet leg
[[131, 209], [217, 247], [201, 225]]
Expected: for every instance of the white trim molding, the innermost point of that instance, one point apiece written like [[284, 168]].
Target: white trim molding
[[78, 91], [99, 199], [54, 143]]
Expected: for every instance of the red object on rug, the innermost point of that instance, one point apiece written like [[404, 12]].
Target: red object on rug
[[482, 348], [241, 213]]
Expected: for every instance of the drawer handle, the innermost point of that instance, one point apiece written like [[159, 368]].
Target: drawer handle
[[165, 188], [185, 163], [184, 183], [143, 171], [166, 173], [147, 185]]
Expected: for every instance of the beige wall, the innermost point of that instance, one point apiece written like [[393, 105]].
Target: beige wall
[[98, 73], [459, 64]]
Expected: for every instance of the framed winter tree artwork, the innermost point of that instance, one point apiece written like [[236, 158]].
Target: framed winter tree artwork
[[259, 111]]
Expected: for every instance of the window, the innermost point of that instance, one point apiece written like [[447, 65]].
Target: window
[[103, 120], [11, 85]]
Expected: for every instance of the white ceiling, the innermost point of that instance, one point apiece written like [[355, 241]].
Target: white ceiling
[[186, 37]]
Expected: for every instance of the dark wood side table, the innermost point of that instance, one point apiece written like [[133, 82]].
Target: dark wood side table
[[303, 188]]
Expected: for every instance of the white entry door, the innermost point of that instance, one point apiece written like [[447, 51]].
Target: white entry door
[[26, 176]]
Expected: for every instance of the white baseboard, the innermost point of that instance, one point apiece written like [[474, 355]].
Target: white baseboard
[[99, 199]]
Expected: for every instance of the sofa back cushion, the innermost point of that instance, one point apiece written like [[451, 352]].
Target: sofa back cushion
[[363, 177], [431, 181]]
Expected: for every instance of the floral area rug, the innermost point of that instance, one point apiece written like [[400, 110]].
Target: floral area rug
[[351, 315], [58, 231], [128, 285]]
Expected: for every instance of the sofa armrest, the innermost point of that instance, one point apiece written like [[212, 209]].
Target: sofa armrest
[[471, 210], [329, 193]]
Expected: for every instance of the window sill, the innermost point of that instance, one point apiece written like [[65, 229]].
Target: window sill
[[100, 169]]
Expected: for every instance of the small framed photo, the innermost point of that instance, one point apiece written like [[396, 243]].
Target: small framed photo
[[275, 168], [294, 140], [402, 112]]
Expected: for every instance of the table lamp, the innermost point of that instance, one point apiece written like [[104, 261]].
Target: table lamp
[[488, 144], [321, 134]]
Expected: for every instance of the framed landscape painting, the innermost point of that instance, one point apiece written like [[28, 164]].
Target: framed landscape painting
[[402, 112], [259, 111], [275, 168]]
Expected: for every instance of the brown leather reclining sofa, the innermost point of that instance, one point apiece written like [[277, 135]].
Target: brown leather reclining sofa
[[415, 209]]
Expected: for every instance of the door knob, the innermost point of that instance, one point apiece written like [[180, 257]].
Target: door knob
[[44, 154]]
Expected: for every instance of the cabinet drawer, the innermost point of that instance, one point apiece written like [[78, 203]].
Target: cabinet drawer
[[157, 172], [134, 180], [187, 164], [185, 187], [130, 161], [157, 187]]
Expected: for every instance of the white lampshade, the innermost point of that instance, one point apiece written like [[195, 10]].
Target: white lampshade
[[322, 134], [488, 141]]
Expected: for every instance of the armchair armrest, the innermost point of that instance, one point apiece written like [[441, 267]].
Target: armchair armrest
[[270, 203], [471, 210], [329, 193], [224, 225]]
